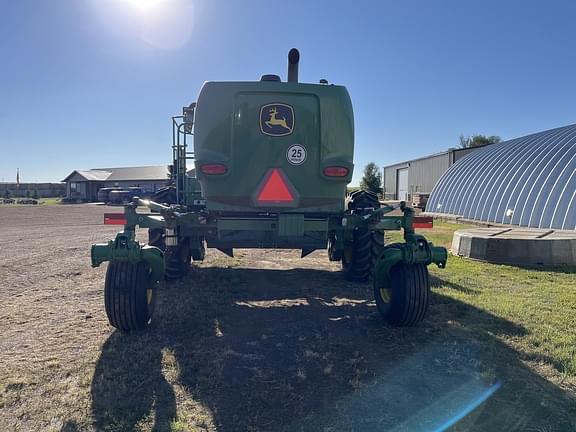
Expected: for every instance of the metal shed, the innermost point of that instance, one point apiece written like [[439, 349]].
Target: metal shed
[[528, 181], [418, 176]]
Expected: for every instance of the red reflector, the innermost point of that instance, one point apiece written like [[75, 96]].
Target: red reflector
[[423, 222], [214, 169], [275, 189], [335, 171], [114, 219]]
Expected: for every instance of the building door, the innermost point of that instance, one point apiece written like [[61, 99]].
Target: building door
[[402, 184]]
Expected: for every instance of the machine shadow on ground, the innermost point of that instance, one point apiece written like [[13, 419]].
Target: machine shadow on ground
[[272, 350]]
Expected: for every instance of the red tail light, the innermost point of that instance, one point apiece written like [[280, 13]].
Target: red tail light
[[423, 222], [336, 171], [114, 219], [214, 169]]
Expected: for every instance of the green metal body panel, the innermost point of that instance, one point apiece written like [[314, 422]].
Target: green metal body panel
[[229, 128], [291, 225]]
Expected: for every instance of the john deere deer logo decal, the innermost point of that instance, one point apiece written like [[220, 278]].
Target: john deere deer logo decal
[[276, 119]]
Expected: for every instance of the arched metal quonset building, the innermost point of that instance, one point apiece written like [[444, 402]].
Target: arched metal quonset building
[[528, 181]]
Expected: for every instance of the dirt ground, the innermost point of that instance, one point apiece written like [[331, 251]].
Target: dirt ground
[[264, 341]]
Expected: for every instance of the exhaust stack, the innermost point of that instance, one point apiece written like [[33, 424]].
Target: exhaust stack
[[293, 60]]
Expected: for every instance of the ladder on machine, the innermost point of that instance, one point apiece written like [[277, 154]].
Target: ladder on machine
[[182, 126]]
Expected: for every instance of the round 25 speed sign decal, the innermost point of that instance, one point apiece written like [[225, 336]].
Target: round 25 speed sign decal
[[296, 154]]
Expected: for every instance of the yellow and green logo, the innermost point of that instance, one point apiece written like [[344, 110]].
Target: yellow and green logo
[[276, 119]]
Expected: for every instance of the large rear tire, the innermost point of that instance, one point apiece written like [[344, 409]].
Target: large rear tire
[[129, 299], [198, 249], [178, 262], [157, 237], [357, 256], [360, 255], [406, 301]]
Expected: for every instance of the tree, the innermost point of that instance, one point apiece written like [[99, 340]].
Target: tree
[[6, 193], [478, 140], [35, 194], [372, 179]]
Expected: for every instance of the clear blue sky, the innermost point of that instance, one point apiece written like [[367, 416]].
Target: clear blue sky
[[92, 83]]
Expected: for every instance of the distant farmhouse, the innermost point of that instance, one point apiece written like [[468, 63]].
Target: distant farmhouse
[[84, 184]]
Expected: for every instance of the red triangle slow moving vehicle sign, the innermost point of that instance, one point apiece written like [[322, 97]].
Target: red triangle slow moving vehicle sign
[[275, 189]]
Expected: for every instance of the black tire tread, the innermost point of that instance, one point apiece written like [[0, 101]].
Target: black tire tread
[[410, 294], [177, 266], [125, 295], [156, 237], [366, 245]]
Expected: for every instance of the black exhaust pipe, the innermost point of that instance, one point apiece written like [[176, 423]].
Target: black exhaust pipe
[[293, 59]]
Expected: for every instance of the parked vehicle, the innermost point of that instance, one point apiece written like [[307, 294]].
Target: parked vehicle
[[120, 196], [272, 161], [27, 201], [104, 194]]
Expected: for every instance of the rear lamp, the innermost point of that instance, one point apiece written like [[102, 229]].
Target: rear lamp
[[214, 169], [114, 219], [423, 222], [336, 171]]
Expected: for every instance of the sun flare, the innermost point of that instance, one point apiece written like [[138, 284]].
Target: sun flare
[[145, 4]]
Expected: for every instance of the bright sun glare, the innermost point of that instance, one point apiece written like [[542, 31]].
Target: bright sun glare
[[164, 24], [145, 4]]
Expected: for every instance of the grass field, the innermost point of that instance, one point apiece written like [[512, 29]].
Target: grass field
[[540, 301], [49, 201], [521, 316], [42, 201], [269, 342]]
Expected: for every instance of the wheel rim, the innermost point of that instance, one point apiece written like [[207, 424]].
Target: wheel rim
[[385, 295], [149, 295]]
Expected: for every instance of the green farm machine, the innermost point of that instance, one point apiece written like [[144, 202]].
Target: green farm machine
[[272, 161]]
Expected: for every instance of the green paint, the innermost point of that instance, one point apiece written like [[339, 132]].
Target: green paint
[[228, 131], [125, 248], [252, 135]]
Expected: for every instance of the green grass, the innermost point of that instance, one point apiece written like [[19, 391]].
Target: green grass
[[43, 201], [49, 201], [541, 301]]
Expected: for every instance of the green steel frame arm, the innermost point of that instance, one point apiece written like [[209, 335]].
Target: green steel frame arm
[[166, 217], [124, 248], [415, 250], [151, 205]]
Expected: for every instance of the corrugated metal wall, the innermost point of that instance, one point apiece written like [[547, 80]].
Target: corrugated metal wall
[[460, 153], [528, 181], [422, 174], [44, 190]]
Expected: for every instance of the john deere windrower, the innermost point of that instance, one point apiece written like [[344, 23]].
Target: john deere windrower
[[271, 163]]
